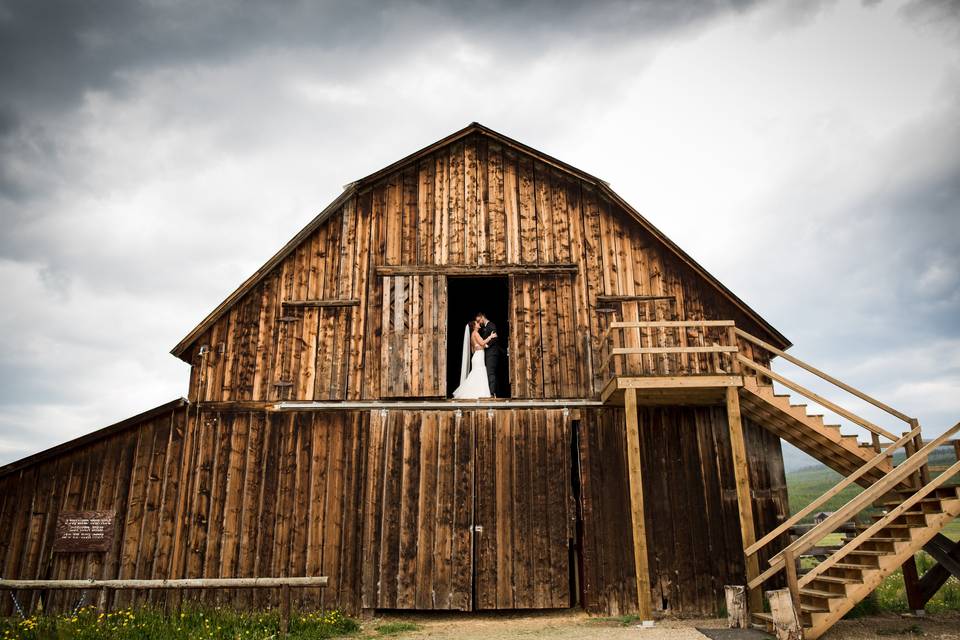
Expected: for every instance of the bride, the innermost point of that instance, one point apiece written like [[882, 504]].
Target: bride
[[473, 370]]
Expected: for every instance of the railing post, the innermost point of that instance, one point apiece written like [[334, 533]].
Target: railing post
[[875, 437], [790, 569], [924, 475], [734, 361]]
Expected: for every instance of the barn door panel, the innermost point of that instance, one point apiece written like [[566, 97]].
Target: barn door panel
[[417, 511], [544, 357], [414, 336], [524, 510]]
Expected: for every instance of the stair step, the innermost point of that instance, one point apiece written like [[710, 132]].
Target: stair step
[[868, 552], [858, 567], [897, 503], [880, 539], [878, 516], [813, 608], [818, 593], [836, 580]]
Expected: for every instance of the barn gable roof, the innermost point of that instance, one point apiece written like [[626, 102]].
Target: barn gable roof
[[92, 437], [180, 350]]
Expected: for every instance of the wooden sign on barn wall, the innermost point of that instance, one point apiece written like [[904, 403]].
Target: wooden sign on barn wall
[[84, 531]]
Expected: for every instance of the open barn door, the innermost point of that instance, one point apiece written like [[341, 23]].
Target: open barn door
[[413, 355]]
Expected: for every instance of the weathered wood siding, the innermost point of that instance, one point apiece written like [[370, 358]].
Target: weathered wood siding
[[690, 505], [471, 204], [214, 495]]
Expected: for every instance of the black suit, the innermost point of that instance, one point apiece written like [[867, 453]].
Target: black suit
[[491, 355]]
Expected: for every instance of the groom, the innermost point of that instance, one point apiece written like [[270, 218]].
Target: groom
[[491, 353]]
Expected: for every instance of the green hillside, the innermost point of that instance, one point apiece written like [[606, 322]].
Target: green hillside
[[807, 484]]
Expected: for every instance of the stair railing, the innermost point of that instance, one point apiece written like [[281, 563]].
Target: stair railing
[[785, 560], [915, 443], [831, 493]]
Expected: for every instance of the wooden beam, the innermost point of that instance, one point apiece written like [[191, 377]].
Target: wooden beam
[[177, 583], [633, 350], [942, 549], [477, 270], [614, 299], [321, 303], [911, 584], [741, 474], [640, 560], [674, 382], [936, 576]]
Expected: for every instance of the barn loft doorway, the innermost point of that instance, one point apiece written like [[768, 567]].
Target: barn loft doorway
[[465, 297]]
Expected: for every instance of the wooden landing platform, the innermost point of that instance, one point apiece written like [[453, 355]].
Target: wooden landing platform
[[671, 390]]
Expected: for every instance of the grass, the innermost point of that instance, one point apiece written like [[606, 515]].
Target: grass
[[395, 628], [621, 621], [198, 624]]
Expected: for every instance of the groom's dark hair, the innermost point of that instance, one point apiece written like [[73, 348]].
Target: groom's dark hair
[[479, 314]]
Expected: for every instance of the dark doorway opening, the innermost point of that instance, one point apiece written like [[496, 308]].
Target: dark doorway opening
[[465, 297]]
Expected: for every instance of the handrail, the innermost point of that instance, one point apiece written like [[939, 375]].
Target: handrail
[[831, 523], [840, 486], [874, 492], [800, 363], [849, 415], [880, 524]]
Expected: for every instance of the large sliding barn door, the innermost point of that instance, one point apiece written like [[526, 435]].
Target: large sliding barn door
[[432, 475], [413, 357], [525, 508], [417, 511]]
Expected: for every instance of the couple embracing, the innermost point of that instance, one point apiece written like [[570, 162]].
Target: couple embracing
[[478, 372]]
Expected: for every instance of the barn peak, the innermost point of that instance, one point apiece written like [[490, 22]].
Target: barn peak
[[473, 131]]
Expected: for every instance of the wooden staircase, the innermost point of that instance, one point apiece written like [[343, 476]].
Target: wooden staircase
[[903, 507], [809, 433], [848, 576]]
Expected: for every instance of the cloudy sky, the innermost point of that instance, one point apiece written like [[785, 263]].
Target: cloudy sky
[[153, 154]]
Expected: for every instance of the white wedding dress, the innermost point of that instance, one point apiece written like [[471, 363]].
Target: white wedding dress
[[473, 376]]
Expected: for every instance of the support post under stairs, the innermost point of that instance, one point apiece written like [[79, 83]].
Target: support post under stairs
[[741, 474]]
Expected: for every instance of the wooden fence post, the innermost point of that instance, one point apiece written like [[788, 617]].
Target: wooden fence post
[[284, 610], [741, 473]]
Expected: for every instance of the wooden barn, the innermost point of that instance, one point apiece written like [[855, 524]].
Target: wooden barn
[[631, 456]]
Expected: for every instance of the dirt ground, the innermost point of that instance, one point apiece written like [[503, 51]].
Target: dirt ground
[[570, 625]]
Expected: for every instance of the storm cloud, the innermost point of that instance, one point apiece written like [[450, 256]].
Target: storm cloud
[[154, 154]]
